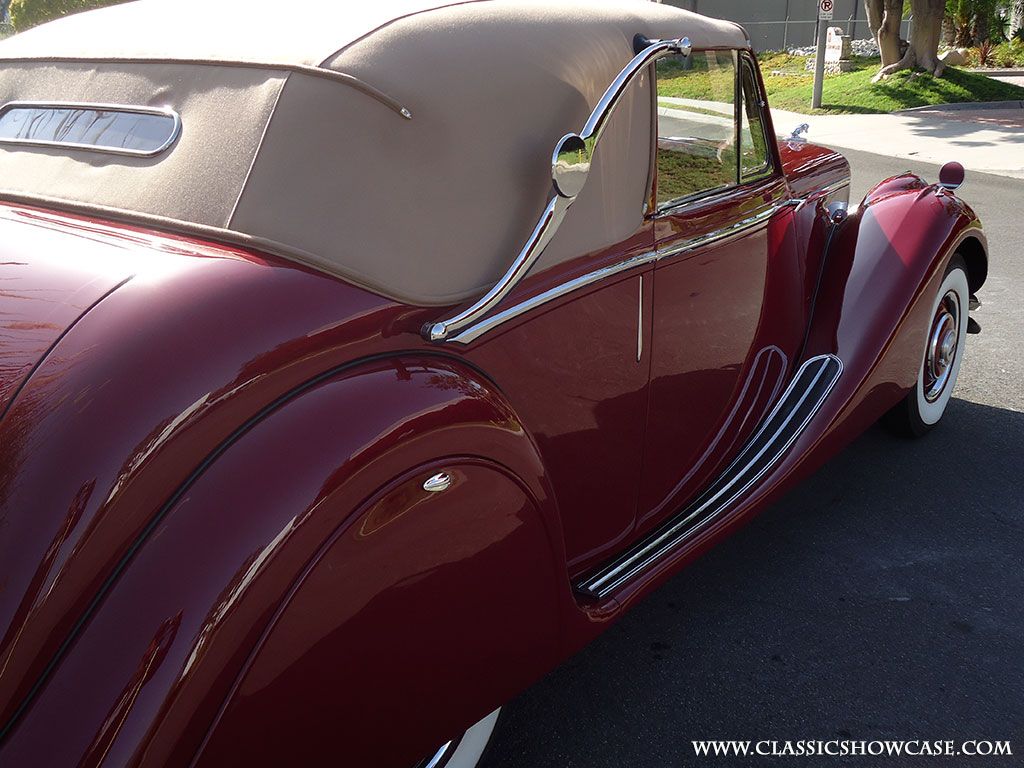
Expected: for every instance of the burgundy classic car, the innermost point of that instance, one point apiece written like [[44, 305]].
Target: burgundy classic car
[[360, 364]]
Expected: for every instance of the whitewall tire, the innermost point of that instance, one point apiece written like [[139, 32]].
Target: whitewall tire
[[941, 358], [466, 750]]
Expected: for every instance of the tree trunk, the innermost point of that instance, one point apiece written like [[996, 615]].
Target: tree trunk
[[924, 40], [927, 32], [982, 24], [875, 12], [884, 17], [1016, 18], [949, 29]]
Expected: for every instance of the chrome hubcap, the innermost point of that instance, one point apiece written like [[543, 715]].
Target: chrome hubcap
[[943, 340]]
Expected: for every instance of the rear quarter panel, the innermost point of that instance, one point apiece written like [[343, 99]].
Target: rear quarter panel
[[420, 611]]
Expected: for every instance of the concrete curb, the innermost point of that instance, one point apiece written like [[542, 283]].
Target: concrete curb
[[993, 71], [963, 106]]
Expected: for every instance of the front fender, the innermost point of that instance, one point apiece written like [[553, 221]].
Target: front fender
[[269, 526], [873, 306], [884, 265]]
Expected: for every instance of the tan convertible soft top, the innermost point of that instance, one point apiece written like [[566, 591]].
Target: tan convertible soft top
[[293, 139]]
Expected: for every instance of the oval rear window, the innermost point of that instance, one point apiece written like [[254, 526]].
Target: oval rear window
[[122, 130]]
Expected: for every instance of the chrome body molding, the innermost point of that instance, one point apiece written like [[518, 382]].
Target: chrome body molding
[[755, 219], [442, 481], [435, 760], [787, 420], [172, 134], [819, 192], [569, 168], [640, 323], [474, 331]]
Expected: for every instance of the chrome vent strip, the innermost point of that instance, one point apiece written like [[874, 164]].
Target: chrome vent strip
[[802, 399]]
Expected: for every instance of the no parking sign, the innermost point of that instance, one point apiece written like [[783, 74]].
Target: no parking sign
[[825, 9]]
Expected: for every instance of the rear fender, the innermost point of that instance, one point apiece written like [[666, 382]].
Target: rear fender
[[415, 589]]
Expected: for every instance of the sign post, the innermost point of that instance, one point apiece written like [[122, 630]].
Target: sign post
[[825, 10]]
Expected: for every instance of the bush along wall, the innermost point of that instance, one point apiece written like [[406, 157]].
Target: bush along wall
[[29, 13]]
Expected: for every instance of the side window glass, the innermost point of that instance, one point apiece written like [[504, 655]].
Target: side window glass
[[755, 161], [697, 128]]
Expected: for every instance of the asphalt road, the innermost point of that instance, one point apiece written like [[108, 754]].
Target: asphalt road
[[882, 599]]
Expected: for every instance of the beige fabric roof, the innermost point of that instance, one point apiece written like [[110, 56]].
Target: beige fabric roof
[[298, 32], [429, 210]]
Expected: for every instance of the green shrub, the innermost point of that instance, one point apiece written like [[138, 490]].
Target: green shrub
[[1010, 54], [29, 13]]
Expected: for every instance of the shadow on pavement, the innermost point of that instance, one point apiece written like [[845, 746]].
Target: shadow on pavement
[[879, 600], [957, 130]]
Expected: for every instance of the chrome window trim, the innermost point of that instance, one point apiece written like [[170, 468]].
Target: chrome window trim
[[737, 228], [722, 195], [473, 332], [747, 66], [97, 107]]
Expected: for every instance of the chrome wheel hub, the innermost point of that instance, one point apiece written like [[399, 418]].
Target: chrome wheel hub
[[943, 341]]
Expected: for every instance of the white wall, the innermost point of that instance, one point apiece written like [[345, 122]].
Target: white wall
[[761, 18]]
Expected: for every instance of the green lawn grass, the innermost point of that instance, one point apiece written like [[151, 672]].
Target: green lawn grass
[[853, 92]]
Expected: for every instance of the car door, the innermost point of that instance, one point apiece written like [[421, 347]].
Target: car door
[[569, 346], [723, 342]]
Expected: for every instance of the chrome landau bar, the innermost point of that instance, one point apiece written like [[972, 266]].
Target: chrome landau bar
[[569, 168]]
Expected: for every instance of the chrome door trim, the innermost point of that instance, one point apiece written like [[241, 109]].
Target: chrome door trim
[[130, 109], [474, 331], [756, 219], [819, 192]]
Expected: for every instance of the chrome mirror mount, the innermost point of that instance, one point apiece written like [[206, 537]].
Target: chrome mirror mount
[[570, 166]]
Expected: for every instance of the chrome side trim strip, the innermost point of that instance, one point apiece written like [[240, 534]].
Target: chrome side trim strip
[[173, 134], [787, 420], [740, 227], [439, 756], [476, 330], [817, 192]]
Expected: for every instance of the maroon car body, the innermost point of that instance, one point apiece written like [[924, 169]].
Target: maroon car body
[[253, 513]]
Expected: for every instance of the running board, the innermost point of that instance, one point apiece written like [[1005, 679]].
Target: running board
[[798, 404]]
